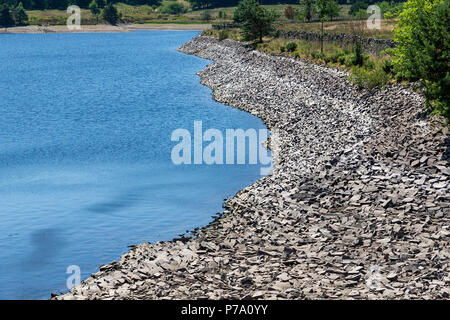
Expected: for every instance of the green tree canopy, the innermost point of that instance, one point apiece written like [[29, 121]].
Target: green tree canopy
[[173, 7], [110, 14], [308, 9], [255, 20], [6, 19], [423, 49], [95, 10], [333, 9], [357, 6], [19, 15]]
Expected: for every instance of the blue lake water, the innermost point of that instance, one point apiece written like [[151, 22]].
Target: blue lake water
[[85, 152]]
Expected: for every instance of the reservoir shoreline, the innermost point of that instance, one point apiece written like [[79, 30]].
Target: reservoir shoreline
[[356, 207], [104, 28]]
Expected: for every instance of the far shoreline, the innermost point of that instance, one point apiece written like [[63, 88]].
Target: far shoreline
[[34, 29]]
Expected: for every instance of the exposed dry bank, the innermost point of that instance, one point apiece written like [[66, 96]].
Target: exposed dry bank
[[104, 28], [357, 206]]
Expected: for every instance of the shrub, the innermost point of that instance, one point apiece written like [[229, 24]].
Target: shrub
[[173, 7], [423, 50], [19, 15], [223, 34], [357, 59], [6, 20], [289, 13], [291, 46], [370, 79], [282, 49], [388, 67], [317, 55], [369, 64], [336, 56], [110, 14], [357, 6], [342, 59]]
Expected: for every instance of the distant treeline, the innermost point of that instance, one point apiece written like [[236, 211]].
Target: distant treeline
[[63, 4], [206, 4], [196, 4]]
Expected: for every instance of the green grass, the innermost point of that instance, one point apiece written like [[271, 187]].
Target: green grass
[[147, 15]]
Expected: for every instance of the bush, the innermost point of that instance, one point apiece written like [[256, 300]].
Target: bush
[[317, 55], [357, 6], [223, 34], [337, 57], [19, 15], [289, 13], [282, 49], [173, 7], [110, 14], [6, 19], [291, 46], [388, 67], [357, 57], [370, 79], [423, 50], [342, 59]]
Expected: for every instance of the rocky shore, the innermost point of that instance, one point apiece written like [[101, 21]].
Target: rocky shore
[[357, 205]]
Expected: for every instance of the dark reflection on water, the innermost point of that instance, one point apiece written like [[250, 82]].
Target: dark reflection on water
[[45, 245], [118, 203]]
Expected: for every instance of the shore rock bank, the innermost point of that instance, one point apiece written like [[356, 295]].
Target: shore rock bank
[[356, 207]]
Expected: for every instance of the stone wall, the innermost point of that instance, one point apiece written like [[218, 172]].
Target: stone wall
[[370, 45]]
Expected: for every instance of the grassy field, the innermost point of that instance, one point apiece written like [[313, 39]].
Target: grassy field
[[147, 15]]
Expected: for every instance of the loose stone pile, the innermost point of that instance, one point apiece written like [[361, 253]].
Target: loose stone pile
[[356, 207]]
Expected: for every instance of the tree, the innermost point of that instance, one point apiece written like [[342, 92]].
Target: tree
[[6, 19], [308, 9], [354, 9], [289, 13], [19, 15], [173, 7], [423, 49], [110, 14], [255, 20], [333, 9], [95, 10], [322, 11], [101, 3]]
